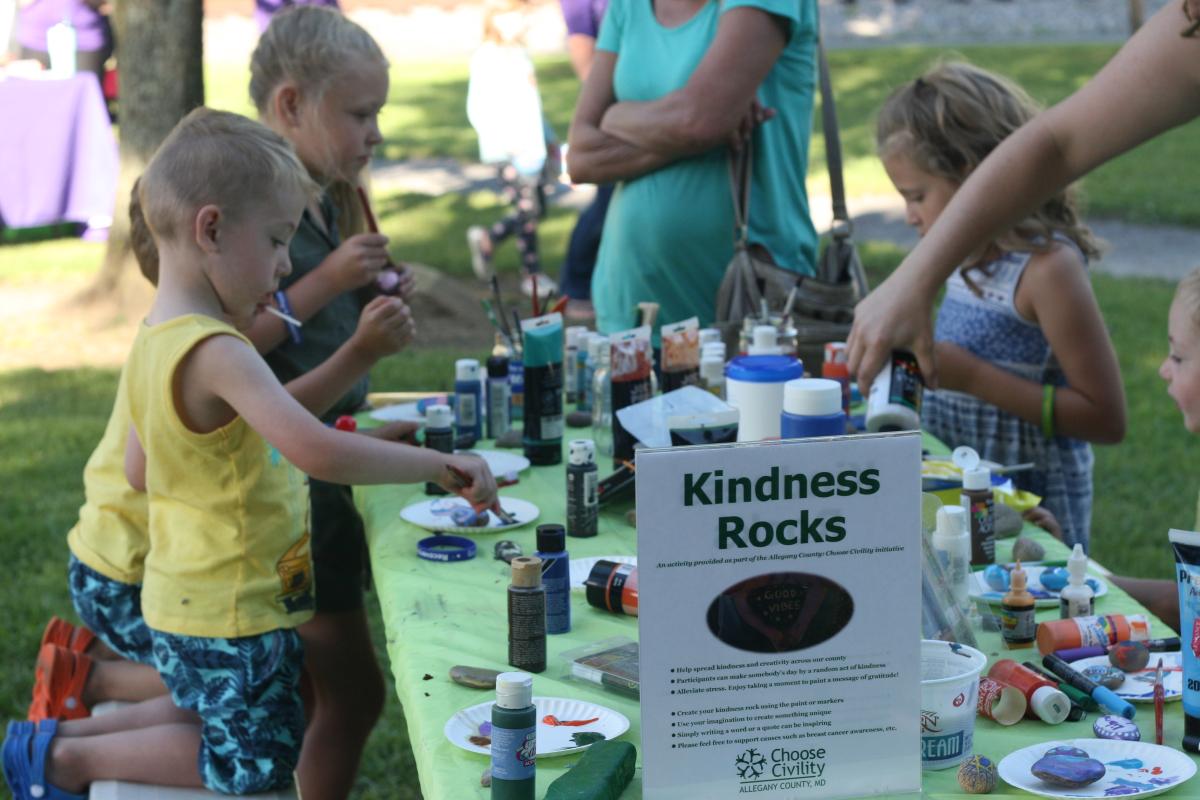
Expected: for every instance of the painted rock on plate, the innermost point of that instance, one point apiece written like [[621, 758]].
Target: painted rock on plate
[[1072, 772], [1107, 676], [977, 775], [1114, 727], [996, 577], [1066, 750], [1054, 579], [1129, 656], [1027, 550]]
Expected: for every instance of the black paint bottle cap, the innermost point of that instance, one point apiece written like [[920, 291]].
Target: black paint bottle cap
[[497, 367], [551, 538]]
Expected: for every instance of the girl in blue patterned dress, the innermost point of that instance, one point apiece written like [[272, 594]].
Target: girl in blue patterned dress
[[1026, 371]]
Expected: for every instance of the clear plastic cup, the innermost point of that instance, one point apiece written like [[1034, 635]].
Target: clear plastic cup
[[949, 696]]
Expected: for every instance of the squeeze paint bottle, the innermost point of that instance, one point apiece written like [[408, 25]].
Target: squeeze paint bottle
[[583, 481], [952, 545], [467, 406], [499, 397], [514, 737], [1017, 623], [712, 374], [1096, 631], [439, 436], [1076, 598], [543, 389], [630, 373], [1046, 701], [573, 339], [894, 402], [527, 615], [835, 368], [587, 370], [680, 354], [980, 503], [556, 576]]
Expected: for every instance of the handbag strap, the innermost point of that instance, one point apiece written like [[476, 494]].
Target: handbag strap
[[741, 165]]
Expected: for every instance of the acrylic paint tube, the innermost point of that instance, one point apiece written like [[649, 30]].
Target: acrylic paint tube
[[583, 481], [894, 403], [979, 500], [499, 397], [1045, 700], [514, 738], [680, 354], [556, 576], [1064, 634], [527, 615], [630, 368], [439, 436], [543, 389], [1000, 702], [1186, 545], [613, 587], [516, 388]]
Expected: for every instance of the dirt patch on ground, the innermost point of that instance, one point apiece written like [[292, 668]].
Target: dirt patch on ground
[[46, 326]]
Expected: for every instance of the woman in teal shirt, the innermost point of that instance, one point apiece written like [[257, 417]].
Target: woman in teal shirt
[[673, 85]]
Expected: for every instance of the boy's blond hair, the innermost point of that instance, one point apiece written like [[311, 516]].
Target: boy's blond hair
[[140, 238], [1188, 294], [310, 46], [216, 158]]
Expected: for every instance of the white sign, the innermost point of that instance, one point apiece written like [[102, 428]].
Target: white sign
[[780, 618]]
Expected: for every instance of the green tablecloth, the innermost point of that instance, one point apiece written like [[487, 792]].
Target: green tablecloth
[[438, 615]]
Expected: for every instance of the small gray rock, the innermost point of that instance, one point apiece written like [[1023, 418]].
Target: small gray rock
[[1105, 675], [506, 550], [485, 780], [1027, 550], [474, 677], [511, 438]]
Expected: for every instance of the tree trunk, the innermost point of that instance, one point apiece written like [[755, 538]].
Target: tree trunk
[[1137, 14], [160, 58]]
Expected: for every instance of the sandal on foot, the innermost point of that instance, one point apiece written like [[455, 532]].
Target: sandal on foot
[[24, 756], [64, 634], [58, 685]]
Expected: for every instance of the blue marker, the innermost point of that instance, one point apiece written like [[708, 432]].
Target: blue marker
[[1104, 696]]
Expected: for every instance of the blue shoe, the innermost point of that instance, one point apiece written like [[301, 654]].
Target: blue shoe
[[25, 765]]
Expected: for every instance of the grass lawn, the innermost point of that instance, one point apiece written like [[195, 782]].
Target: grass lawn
[[50, 421]]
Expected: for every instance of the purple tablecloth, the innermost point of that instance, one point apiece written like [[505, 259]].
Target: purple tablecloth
[[58, 155]]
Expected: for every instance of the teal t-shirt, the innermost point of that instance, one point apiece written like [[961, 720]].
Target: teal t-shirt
[[668, 234]]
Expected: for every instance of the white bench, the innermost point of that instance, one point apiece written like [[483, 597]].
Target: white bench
[[122, 790]]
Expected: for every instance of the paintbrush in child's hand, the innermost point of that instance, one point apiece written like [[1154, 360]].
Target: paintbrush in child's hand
[[389, 279], [466, 482]]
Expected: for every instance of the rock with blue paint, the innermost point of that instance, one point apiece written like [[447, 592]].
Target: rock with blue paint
[[1111, 726], [1068, 771], [1066, 750], [977, 775], [996, 577], [1104, 674], [1054, 578]]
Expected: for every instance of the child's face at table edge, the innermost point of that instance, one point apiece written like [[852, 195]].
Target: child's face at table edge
[[253, 255], [337, 136], [1181, 368]]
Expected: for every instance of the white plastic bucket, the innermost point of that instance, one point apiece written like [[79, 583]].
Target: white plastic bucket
[[949, 693]]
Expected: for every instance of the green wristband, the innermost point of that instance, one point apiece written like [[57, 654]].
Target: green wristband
[[1048, 410]]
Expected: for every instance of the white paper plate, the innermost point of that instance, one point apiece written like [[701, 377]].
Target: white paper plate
[[582, 567], [434, 515], [981, 591], [552, 740], [1134, 769], [1139, 686], [400, 412], [498, 461]]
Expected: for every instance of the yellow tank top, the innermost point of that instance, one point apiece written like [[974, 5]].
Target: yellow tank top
[[229, 530], [110, 536]]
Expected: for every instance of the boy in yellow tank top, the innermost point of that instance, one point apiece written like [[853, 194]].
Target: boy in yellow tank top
[[110, 658], [221, 449]]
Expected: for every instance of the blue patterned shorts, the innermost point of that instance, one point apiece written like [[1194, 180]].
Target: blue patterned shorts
[[112, 610], [246, 692]]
